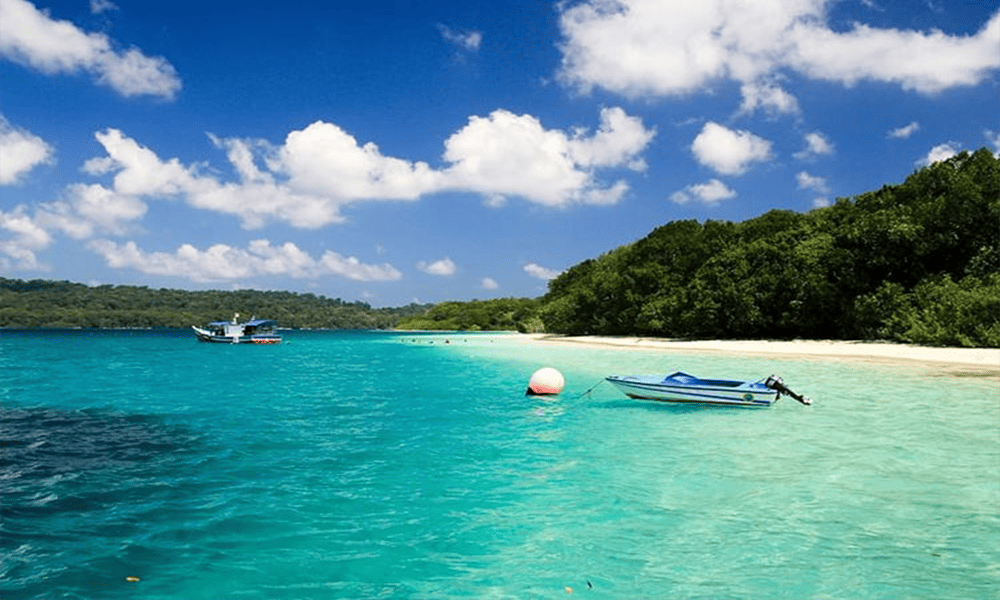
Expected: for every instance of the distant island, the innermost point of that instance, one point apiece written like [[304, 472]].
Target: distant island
[[917, 262], [61, 304]]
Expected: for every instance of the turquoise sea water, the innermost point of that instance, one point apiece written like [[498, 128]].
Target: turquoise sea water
[[381, 465]]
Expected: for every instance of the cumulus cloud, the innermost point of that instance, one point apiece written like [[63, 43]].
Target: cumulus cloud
[[256, 198], [816, 145], [222, 262], [710, 193], [540, 272], [940, 152], [320, 169], [352, 268], [307, 181], [93, 208], [924, 62], [816, 184], [489, 283], [769, 98], [20, 152], [32, 38], [727, 151], [325, 160], [811, 182], [653, 48], [83, 212], [617, 142], [905, 131], [514, 155], [442, 267], [24, 238]]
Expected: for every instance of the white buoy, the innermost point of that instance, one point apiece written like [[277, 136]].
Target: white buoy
[[546, 381]]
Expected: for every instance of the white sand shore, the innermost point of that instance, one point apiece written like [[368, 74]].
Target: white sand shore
[[956, 361]]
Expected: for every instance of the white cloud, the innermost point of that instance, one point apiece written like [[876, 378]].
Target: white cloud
[[811, 182], [20, 152], [617, 142], [84, 211], [940, 152], [32, 38], [710, 193], [489, 283], [226, 263], [924, 62], [442, 267], [306, 181], [465, 40], [101, 6], [816, 184], [729, 152], [255, 199], [19, 251], [324, 160], [540, 272], [905, 131], [318, 170], [768, 97], [92, 208], [514, 155], [993, 138], [351, 268], [816, 145], [654, 48]]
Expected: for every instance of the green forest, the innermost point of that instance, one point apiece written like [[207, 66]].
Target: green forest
[[52, 304], [917, 262], [502, 314]]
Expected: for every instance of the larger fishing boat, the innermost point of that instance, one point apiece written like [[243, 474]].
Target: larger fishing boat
[[254, 331], [681, 387]]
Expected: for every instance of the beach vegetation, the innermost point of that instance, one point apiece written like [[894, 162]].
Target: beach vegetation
[[500, 314]]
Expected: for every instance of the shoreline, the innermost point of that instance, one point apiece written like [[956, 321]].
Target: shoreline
[[968, 362]]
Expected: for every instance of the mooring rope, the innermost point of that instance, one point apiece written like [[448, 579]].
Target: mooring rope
[[587, 393]]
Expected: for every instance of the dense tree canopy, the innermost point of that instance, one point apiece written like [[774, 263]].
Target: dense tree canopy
[[917, 262], [502, 314], [64, 304]]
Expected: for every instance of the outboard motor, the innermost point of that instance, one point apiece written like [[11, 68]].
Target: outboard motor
[[775, 383]]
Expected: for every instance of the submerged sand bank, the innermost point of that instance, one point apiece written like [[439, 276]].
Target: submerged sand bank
[[983, 362]]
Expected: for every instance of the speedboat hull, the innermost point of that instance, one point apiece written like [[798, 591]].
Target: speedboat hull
[[684, 388]]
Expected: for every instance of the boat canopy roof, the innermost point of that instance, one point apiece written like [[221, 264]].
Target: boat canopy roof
[[253, 323], [260, 322]]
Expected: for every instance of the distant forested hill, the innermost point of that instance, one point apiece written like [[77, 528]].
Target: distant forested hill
[[916, 262], [40, 303]]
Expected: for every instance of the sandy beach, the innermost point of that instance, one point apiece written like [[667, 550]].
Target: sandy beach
[[972, 362]]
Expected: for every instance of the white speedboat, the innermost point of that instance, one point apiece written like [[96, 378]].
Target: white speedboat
[[681, 387]]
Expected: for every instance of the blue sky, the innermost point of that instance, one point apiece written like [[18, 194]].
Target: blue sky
[[396, 152]]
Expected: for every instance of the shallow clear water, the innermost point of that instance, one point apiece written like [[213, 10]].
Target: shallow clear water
[[376, 465]]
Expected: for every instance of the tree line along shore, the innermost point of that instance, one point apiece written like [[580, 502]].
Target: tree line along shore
[[917, 262], [61, 304]]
